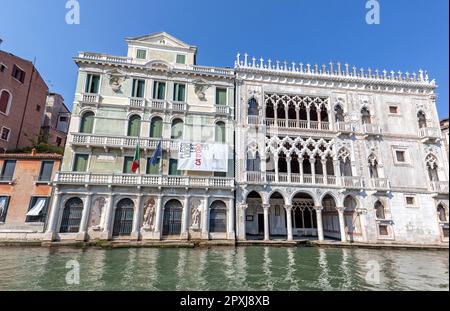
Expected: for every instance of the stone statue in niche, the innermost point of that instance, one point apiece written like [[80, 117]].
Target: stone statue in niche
[[149, 214], [96, 215], [116, 83], [196, 214]]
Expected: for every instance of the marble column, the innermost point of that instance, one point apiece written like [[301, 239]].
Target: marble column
[[319, 223], [158, 218], [275, 159], [337, 172], [231, 235], [324, 171], [342, 223], [50, 234], [137, 219], [266, 208], [205, 218], [242, 222], [185, 219], [82, 234], [313, 170], [288, 162], [288, 209]]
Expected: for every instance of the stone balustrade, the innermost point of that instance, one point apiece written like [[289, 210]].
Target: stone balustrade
[[93, 140], [298, 124], [439, 187], [430, 133], [75, 178], [371, 129]]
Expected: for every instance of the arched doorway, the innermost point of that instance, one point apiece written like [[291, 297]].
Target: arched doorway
[[123, 218], [218, 217], [254, 217], [330, 218], [277, 217], [304, 218], [71, 218], [352, 220], [173, 211]]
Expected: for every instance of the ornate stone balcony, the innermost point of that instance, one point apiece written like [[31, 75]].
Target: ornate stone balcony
[[93, 140], [254, 120], [371, 130], [133, 180], [223, 110], [429, 134], [439, 187], [343, 128], [380, 184], [298, 179], [298, 124], [137, 102], [90, 99]]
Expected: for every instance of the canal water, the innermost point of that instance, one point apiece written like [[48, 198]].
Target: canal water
[[243, 268]]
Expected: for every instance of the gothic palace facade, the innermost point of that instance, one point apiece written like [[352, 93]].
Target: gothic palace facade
[[328, 152]]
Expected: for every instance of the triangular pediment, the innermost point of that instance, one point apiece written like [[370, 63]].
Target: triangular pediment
[[161, 39]]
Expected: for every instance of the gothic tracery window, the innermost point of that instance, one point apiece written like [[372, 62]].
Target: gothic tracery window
[[339, 114], [365, 116], [373, 166], [422, 119], [432, 167]]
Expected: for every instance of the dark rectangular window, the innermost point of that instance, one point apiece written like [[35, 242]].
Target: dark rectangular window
[[221, 97], [92, 84], [159, 90], [179, 92], [37, 211], [173, 167], [153, 169], [4, 202], [141, 54], [181, 59], [18, 74], [138, 88], [46, 171], [81, 163], [4, 135], [127, 165], [8, 169], [393, 109], [400, 156], [2, 68]]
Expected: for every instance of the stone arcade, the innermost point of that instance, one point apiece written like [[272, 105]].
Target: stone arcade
[[321, 152]]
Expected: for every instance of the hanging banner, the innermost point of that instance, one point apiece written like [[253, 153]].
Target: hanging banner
[[203, 157]]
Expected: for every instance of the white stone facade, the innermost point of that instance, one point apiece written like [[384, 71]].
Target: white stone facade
[[315, 152], [340, 153]]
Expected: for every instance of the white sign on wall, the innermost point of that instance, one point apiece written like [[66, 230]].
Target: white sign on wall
[[203, 157]]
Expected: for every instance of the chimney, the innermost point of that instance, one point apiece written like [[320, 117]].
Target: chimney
[[33, 151]]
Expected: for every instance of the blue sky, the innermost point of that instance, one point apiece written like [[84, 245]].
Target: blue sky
[[413, 34]]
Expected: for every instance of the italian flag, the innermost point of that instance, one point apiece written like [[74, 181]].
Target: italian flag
[[135, 165]]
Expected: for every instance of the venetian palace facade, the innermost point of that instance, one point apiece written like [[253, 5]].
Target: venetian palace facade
[[314, 152]]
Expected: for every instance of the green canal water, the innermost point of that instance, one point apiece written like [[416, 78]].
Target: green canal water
[[243, 268]]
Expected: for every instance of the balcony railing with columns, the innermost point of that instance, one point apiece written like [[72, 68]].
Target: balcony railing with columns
[[439, 187], [298, 124], [92, 140], [222, 110], [382, 184], [371, 129], [343, 127], [253, 120], [432, 133], [142, 180], [88, 98], [136, 102], [303, 179]]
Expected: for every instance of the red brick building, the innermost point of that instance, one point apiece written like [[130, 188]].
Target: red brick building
[[25, 194], [23, 95]]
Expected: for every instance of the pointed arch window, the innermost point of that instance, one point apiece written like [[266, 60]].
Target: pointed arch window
[[422, 119], [339, 114], [345, 163], [380, 211], [373, 166], [365, 116], [253, 107], [442, 213], [432, 167]]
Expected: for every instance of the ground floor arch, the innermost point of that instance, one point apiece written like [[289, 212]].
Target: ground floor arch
[[218, 217], [71, 216], [123, 218], [172, 218], [304, 217], [330, 218]]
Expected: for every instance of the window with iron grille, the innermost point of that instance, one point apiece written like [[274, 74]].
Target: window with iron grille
[[71, 218]]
